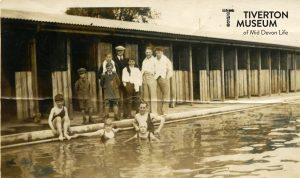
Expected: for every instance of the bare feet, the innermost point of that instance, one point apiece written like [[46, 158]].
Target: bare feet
[[67, 136], [61, 138]]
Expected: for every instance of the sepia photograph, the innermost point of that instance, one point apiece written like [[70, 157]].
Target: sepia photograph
[[150, 89]]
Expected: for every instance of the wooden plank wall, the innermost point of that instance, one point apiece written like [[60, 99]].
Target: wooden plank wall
[[215, 84], [229, 83], [274, 81], [254, 82], [131, 52], [61, 84], [91, 75], [24, 95], [103, 48], [283, 80], [242, 82], [264, 82], [292, 80], [204, 89], [182, 86]]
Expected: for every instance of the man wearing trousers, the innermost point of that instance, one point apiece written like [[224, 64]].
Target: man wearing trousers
[[163, 72], [149, 82]]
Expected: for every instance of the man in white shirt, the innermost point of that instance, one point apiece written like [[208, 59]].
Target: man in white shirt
[[163, 72], [149, 82]]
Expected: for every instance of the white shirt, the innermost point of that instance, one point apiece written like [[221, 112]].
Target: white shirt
[[163, 68], [135, 77], [149, 65], [104, 66]]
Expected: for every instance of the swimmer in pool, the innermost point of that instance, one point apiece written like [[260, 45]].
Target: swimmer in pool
[[108, 132], [143, 134]]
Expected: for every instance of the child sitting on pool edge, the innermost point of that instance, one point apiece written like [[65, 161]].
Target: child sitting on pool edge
[[59, 120], [108, 132], [143, 134]]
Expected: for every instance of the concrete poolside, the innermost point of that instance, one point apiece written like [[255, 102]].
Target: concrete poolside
[[40, 132]]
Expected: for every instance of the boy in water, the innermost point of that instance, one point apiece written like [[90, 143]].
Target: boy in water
[[147, 118], [59, 121], [143, 134], [108, 132]]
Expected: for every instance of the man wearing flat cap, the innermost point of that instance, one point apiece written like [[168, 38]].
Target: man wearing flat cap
[[121, 62], [82, 90]]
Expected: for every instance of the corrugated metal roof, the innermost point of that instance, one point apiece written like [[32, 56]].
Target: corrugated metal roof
[[146, 27], [89, 21]]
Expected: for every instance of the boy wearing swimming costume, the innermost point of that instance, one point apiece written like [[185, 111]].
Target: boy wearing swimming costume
[[59, 120], [146, 118], [108, 132], [143, 134]]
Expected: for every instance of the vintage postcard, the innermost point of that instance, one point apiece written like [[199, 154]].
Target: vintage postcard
[[149, 89]]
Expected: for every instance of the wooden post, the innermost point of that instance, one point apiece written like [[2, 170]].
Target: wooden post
[[69, 78], [207, 70], [172, 81], [34, 75], [287, 74], [222, 75], [259, 72], [248, 74], [191, 74], [295, 73], [235, 79], [279, 75], [270, 72]]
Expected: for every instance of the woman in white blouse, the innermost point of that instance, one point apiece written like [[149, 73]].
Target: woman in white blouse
[[132, 80]]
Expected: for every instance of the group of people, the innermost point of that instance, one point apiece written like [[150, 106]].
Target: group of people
[[122, 81]]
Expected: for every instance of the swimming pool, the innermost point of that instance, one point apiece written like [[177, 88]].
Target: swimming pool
[[256, 143]]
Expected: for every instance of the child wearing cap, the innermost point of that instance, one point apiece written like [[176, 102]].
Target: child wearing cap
[[110, 83], [58, 120], [132, 81], [107, 133], [82, 90]]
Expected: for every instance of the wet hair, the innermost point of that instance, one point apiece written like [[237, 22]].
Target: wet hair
[[59, 97]]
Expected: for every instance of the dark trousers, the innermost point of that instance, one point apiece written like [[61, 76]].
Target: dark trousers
[[132, 100]]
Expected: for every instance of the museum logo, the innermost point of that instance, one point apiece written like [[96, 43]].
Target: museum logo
[[257, 18]]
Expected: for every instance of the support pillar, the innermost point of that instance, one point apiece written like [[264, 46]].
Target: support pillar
[[248, 74], [191, 74], [222, 75]]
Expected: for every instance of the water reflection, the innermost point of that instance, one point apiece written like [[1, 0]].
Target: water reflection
[[260, 143]]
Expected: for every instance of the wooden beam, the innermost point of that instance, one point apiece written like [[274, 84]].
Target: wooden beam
[[222, 75], [259, 72], [191, 74], [279, 75], [34, 74], [235, 78], [207, 70], [248, 74], [69, 78], [270, 72]]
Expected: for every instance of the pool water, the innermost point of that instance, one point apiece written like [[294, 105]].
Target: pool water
[[256, 143]]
